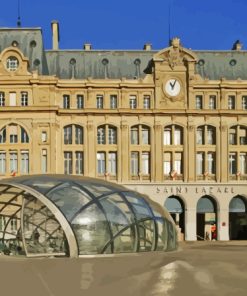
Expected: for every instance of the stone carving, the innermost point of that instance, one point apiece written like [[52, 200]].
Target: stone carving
[[175, 57]]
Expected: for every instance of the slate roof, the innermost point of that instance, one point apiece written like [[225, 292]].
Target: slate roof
[[80, 64]]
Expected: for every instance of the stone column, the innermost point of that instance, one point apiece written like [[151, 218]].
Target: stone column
[[223, 223], [190, 224], [191, 153], [125, 157]]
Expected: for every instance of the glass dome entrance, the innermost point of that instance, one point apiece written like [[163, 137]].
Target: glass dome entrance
[[57, 215]]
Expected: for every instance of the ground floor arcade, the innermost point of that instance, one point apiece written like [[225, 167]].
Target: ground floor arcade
[[203, 211]]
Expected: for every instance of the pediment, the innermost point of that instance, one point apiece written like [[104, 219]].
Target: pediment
[[175, 55], [13, 62]]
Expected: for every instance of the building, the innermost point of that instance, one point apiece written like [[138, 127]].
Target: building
[[169, 123]]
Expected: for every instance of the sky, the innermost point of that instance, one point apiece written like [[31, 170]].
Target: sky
[[129, 24]]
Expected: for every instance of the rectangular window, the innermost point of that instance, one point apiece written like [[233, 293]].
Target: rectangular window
[[210, 136], [232, 163], [112, 163], [3, 135], [66, 101], [211, 163], [101, 164], [79, 162], [24, 98], [44, 161], [101, 135], [99, 102], [134, 166], [212, 102], [243, 163], [167, 136], [13, 162], [2, 162], [244, 102], [13, 224], [112, 136], [24, 162], [113, 101], [12, 99], [178, 163], [78, 135], [145, 136], [134, 140], [68, 135], [133, 102], [200, 163], [2, 222], [198, 102], [199, 136], [68, 163], [167, 163], [13, 134], [145, 163], [2, 99], [80, 101], [146, 102], [231, 102], [177, 136], [44, 137], [242, 136], [232, 137]]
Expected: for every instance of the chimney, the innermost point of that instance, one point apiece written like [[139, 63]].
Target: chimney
[[87, 46], [55, 35], [237, 45], [147, 46]]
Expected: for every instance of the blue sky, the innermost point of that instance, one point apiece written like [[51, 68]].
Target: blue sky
[[128, 24]]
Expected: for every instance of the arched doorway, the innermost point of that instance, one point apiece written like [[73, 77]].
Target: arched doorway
[[238, 218], [175, 206], [206, 218]]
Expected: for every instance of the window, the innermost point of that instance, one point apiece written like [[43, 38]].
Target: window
[[44, 137], [233, 163], [44, 161], [12, 64], [80, 101], [68, 163], [238, 135], [210, 135], [145, 163], [101, 135], [134, 167], [79, 163], [212, 102], [173, 135], [3, 135], [12, 99], [67, 135], [177, 136], [2, 222], [113, 101], [200, 163], [167, 136], [146, 102], [24, 136], [198, 102], [13, 134], [66, 101], [200, 136], [178, 163], [167, 163], [112, 135], [233, 136], [242, 136], [101, 164], [211, 163], [231, 102], [99, 102], [243, 163], [2, 99], [133, 102], [2, 162], [145, 135], [134, 138], [112, 163], [24, 162], [24, 99], [78, 135], [244, 102], [206, 135], [13, 164]]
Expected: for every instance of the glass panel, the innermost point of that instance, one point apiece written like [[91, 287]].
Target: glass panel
[[162, 234], [2, 162], [167, 136], [146, 234], [140, 207], [78, 135], [69, 199], [112, 135], [79, 163], [134, 163], [145, 136], [3, 135], [68, 135], [125, 241], [199, 163], [172, 240], [232, 163], [68, 162], [145, 163], [101, 165], [91, 230], [42, 232], [101, 135], [134, 136], [112, 163]]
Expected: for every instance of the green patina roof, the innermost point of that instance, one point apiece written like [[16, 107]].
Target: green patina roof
[[214, 65]]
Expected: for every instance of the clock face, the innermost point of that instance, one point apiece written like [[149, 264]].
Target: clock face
[[172, 87]]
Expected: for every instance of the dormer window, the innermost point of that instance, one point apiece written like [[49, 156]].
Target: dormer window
[[12, 64]]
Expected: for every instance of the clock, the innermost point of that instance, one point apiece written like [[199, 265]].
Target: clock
[[172, 87]]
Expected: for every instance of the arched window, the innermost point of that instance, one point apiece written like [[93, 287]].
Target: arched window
[[173, 135], [206, 135], [73, 134], [107, 134]]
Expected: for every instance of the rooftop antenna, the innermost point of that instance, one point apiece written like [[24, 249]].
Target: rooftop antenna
[[19, 16], [169, 22]]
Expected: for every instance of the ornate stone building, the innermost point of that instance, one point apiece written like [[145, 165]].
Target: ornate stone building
[[169, 123]]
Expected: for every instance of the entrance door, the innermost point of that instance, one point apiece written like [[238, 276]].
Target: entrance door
[[206, 219], [175, 206], [238, 219]]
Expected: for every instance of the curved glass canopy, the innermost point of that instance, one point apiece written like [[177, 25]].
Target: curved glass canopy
[[58, 215]]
